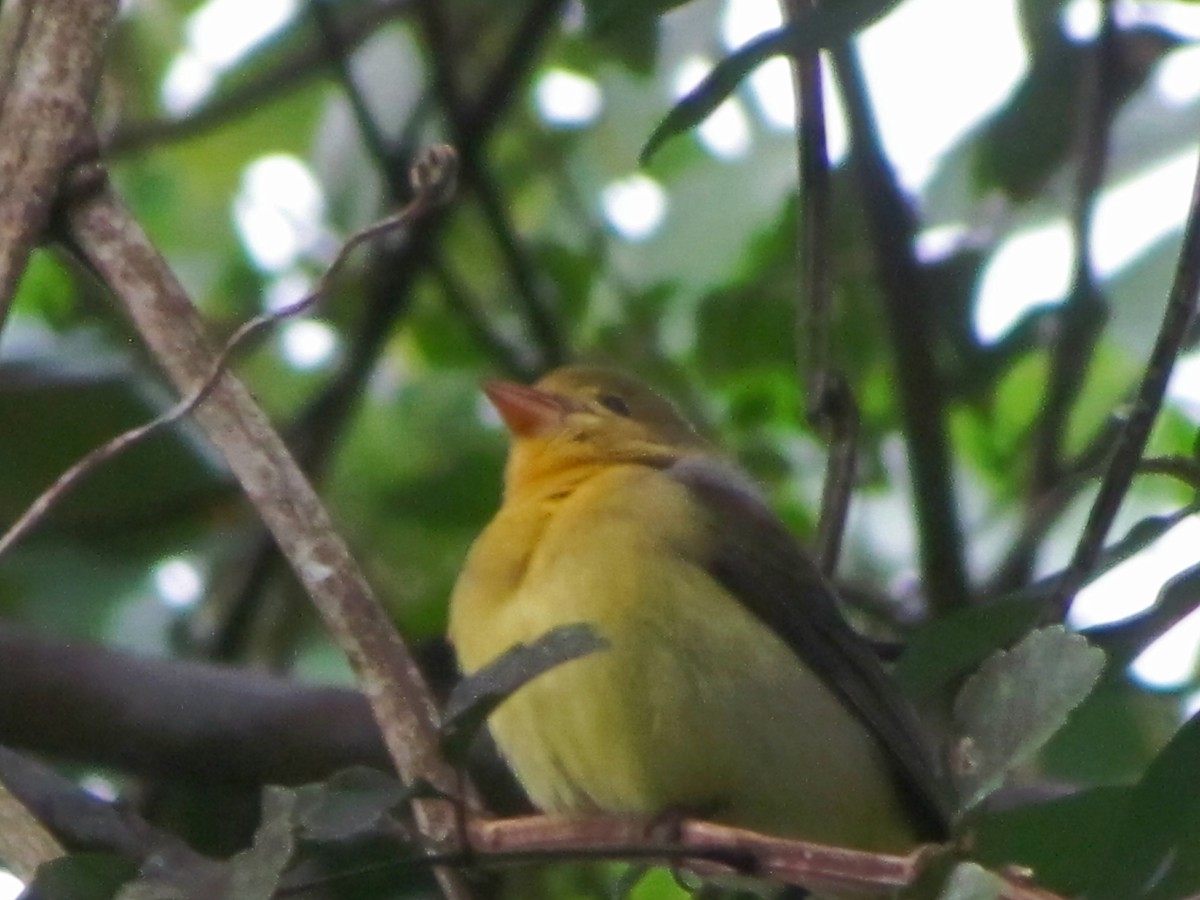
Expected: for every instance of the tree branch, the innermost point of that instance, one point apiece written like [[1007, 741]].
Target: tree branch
[[45, 115], [526, 280], [116, 247], [708, 848], [177, 720], [1131, 441]]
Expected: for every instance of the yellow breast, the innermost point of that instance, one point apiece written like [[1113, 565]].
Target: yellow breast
[[695, 705]]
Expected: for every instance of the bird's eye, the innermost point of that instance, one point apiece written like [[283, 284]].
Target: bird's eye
[[613, 403]]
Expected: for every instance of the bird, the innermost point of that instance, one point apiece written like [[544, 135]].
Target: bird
[[730, 685]]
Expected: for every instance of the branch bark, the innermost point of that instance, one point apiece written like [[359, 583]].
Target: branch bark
[[46, 92], [103, 230], [177, 720]]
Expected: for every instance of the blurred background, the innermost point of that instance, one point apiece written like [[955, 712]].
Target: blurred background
[[251, 139]]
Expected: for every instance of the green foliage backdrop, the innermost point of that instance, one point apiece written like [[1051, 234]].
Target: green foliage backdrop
[[977, 462]]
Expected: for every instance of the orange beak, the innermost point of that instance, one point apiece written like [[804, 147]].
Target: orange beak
[[527, 411]]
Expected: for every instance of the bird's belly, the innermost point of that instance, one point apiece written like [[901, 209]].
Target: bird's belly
[[695, 706]]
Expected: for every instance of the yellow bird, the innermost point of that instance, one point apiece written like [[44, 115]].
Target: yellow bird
[[731, 687]]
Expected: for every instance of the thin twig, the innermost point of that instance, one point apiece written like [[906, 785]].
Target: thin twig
[[1084, 312], [919, 387], [1131, 442], [526, 279], [312, 433], [435, 192], [830, 405], [289, 73], [338, 52]]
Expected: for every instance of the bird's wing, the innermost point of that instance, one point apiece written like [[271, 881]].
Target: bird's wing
[[758, 560]]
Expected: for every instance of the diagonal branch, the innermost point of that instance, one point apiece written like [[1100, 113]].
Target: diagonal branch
[[1131, 441], [290, 72], [111, 240], [525, 278]]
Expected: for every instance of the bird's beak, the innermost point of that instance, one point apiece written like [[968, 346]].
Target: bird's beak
[[527, 411]]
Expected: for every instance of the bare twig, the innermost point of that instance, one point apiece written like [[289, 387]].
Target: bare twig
[[117, 248], [435, 191], [705, 847], [338, 51], [830, 403], [918, 382], [1131, 442], [45, 115], [313, 432], [526, 279]]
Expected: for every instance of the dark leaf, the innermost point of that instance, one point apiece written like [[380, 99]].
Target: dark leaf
[[825, 26], [354, 802], [474, 698], [1154, 851], [1063, 841]]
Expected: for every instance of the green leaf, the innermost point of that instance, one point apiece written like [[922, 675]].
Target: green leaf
[[948, 649], [474, 698], [1154, 852], [1062, 840], [255, 872], [824, 26], [354, 802], [1016, 701]]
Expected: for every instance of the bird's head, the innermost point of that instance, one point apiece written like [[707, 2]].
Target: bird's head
[[581, 417]]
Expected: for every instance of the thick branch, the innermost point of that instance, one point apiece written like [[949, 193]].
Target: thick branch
[[177, 720], [45, 115]]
